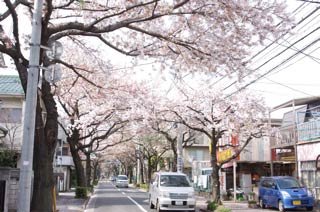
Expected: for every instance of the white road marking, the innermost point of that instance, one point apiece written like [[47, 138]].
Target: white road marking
[[137, 204]]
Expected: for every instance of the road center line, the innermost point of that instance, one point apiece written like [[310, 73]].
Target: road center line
[[137, 204]]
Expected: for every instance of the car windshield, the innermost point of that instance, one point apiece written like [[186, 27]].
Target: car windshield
[[122, 178], [174, 181], [287, 183]]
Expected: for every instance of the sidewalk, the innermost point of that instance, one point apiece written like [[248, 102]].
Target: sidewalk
[[66, 202], [240, 206]]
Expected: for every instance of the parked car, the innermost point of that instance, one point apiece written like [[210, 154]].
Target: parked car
[[171, 191], [122, 181], [284, 192]]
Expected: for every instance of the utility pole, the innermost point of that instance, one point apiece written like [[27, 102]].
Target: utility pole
[[24, 196], [179, 149]]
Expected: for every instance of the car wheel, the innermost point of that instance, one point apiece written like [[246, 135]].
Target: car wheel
[[261, 203], [158, 207], [281, 206], [309, 208], [151, 205]]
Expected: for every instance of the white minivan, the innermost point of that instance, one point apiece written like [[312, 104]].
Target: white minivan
[[171, 191]]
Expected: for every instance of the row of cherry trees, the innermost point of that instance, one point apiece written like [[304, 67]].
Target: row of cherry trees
[[183, 35]]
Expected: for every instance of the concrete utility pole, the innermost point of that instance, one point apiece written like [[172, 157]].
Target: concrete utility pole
[[179, 149], [24, 196]]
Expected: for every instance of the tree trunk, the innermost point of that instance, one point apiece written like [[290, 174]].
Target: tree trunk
[[42, 187], [95, 171], [88, 170], [141, 170], [81, 178], [175, 155], [215, 183], [149, 170]]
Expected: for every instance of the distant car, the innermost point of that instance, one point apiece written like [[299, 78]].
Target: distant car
[[171, 191], [284, 192], [122, 181]]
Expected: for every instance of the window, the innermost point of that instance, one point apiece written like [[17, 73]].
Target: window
[[174, 181], [289, 183], [10, 115], [268, 183]]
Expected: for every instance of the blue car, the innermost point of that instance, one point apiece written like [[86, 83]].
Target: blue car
[[284, 192]]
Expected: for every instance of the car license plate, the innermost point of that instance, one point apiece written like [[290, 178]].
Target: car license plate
[[296, 202], [179, 203]]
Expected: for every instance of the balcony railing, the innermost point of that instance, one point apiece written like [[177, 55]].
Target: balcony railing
[[309, 130]]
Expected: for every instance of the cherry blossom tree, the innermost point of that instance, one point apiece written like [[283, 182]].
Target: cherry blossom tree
[[197, 36], [94, 116], [152, 147], [168, 130], [208, 112]]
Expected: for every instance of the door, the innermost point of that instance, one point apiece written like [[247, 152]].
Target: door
[[273, 198], [2, 194]]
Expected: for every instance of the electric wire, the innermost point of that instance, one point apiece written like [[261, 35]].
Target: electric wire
[[277, 55], [272, 69], [301, 21], [273, 42]]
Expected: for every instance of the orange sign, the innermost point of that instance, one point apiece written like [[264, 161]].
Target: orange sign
[[224, 155]]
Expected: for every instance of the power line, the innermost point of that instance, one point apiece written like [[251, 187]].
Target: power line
[[270, 44], [298, 61], [275, 67], [275, 42], [295, 84], [289, 87], [310, 1], [278, 54]]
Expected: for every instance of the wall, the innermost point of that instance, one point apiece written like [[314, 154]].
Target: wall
[[11, 176]]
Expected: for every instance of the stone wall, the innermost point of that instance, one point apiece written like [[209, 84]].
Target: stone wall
[[11, 176]]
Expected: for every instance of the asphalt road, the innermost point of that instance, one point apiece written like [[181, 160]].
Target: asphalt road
[[109, 198]]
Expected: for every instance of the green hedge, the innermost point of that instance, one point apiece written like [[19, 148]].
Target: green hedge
[[223, 209], [144, 186], [212, 206], [81, 192]]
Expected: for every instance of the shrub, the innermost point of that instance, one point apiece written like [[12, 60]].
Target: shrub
[[252, 202], [81, 192], [144, 186], [95, 182], [240, 198], [212, 206], [91, 188], [223, 209]]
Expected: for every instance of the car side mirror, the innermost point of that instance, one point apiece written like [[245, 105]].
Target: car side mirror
[[155, 184], [274, 187]]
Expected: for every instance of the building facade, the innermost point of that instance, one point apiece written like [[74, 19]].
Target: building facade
[[300, 136]]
